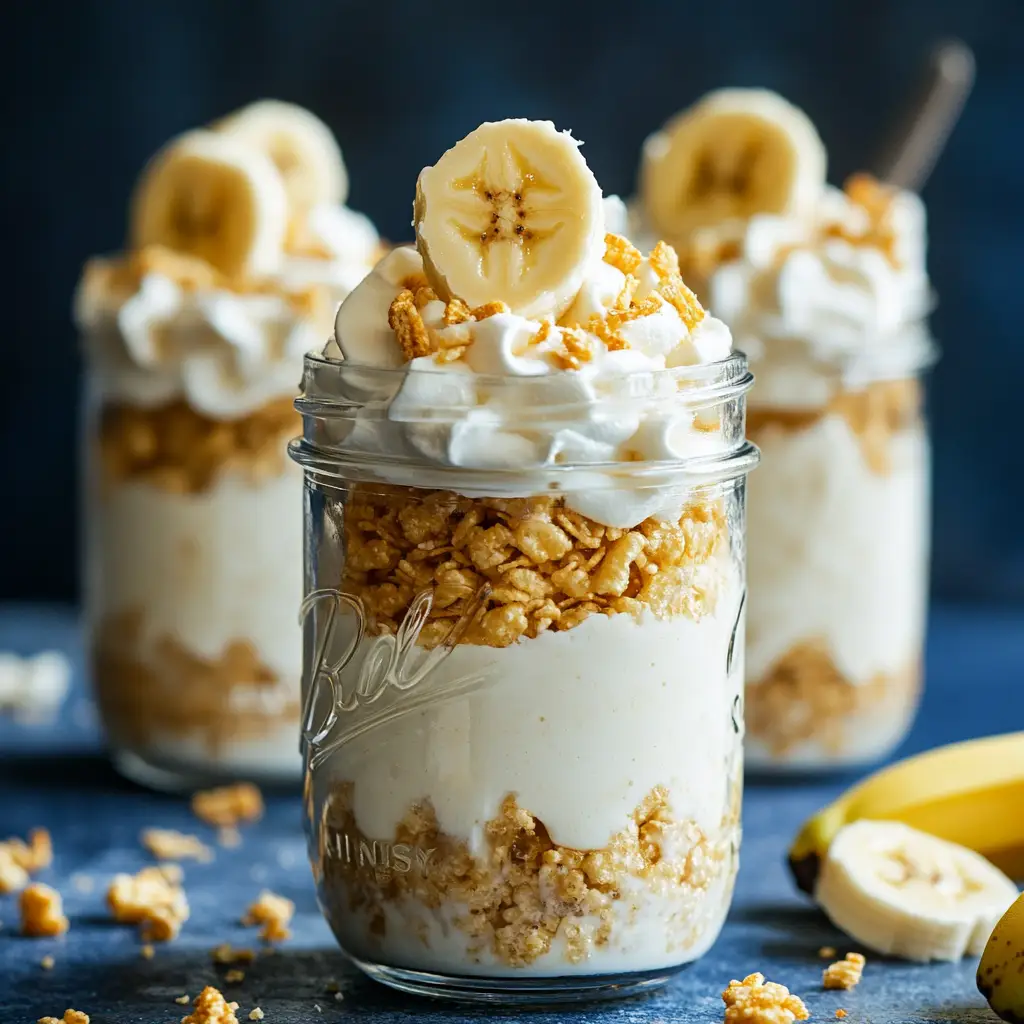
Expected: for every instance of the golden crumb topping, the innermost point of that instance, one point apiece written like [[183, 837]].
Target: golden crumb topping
[[229, 805], [845, 973], [755, 1001], [152, 899], [622, 254], [274, 913], [70, 1017], [168, 844], [42, 911], [210, 1007]]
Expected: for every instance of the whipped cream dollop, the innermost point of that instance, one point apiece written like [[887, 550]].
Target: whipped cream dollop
[[845, 289], [601, 386], [155, 337]]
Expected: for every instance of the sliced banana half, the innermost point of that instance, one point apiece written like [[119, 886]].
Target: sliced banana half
[[735, 153], [512, 212], [214, 197], [300, 144], [909, 894]]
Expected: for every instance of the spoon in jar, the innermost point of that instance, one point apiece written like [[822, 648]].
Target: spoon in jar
[[922, 131]]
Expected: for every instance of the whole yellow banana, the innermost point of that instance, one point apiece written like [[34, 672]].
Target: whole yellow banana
[[971, 793], [1000, 972]]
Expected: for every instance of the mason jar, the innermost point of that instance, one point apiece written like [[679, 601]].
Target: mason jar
[[839, 544], [192, 546], [522, 687]]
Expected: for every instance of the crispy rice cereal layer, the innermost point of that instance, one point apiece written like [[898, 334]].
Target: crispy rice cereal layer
[[875, 414], [177, 449], [173, 691], [804, 699], [517, 567], [514, 899]]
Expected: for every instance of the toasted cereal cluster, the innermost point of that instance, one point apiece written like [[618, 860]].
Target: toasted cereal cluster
[[153, 899], [274, 913], [571, 345], [755, 1001], [845, 973], [501, 569], [176, 449], [228, 806], [158, 687], [42, 911], [168, 844], [876, 199], [804, 698], [70, 1017], [210, 1007], [225, 953], [512, 900], [877, 413], [19, 859]]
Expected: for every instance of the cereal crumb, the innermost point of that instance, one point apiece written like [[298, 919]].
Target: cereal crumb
[[339, 997], [255, 1013], [227, 806], [755, 1001], [827, 952], [410, 331], [229, 836], [225, 953], [42, 911], [169, 844], [19, 859], [274, 913], [152, 899], [234, 976], [844, 973], [70, 1017], [182, 1000], [47, 963], [210, 1007], [840, 1013], [621, 253], [147, 952]]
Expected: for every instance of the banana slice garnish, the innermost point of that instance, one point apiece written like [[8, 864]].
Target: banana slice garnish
[[905, 893], [736, 153], [213, 196], [300, 144], [511, 212]]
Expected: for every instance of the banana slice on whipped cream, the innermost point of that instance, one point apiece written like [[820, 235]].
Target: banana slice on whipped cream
[[302, 147], [216, 197], [735, 153], [905, 893], [513, 211]]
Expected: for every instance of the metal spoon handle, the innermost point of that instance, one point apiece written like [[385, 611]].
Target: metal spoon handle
[[922, 132]]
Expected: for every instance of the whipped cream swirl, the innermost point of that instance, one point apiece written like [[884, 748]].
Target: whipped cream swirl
[[524, 395], [225, 352]]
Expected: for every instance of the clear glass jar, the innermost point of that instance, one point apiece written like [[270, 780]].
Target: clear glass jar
[[522, 727], [839, 543], [192, 553]]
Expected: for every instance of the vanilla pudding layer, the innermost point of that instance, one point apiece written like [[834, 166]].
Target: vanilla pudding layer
[[578, 728], [193, 600], [838, 548]]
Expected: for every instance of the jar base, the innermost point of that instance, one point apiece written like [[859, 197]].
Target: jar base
[[167, 776], [519, 991]]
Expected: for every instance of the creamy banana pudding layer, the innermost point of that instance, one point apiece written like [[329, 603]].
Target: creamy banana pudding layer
[[826, 291], [535, 768], [240, 250]]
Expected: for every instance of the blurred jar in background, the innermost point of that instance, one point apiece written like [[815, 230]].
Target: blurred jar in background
[[827, 293], [240, 250]]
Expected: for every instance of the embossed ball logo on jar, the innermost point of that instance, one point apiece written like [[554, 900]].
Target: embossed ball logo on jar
[[354, 668]]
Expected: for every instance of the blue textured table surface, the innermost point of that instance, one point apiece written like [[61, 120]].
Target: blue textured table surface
[[56, 776]]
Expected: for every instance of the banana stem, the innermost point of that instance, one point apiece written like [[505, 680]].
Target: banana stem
[[922, 133]]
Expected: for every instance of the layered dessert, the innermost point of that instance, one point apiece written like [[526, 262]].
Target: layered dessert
[[524, 605], [240, 250], [826, 291]]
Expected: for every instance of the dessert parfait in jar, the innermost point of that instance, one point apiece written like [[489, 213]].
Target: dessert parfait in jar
[[240, 250], [525, 469], [827, 293]]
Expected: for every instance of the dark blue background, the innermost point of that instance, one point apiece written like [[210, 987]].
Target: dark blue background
[[95, 87]]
